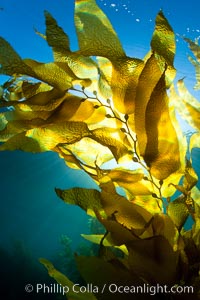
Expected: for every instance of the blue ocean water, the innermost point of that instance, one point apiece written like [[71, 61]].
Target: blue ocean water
[[31, 214]]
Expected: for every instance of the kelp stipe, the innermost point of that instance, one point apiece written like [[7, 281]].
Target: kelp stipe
[[114, 107]]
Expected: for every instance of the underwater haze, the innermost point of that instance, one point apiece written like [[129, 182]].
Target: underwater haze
[[33, 219]]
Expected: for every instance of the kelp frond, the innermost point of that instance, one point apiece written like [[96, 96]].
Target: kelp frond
[[96, 105]]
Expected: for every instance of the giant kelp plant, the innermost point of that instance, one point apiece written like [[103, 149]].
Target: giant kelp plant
[[97, 105]]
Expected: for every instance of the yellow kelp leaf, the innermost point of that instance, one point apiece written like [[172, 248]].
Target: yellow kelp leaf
[[42, 138], [195, 141], [14, 127], [163, 40], [12, 90], [162, 150], [97, 116], [88, 199], [42, 98], [96, 35], [99, 272], [191, 111], [154, 260], [119, 175], [120, 77], [39, 101], [105, 75], [144, 90], [130, 180], [168, 189], [31, 88], [118, 234], [185, 94], [42, 101], [183, 108], [124, 82], [99, 154], [142, 104], [75, 162], [163, 44], [21, 142], [112, 138], [10, 62], [177, 210], [56, 37], [197, 69], [195, 195], [164, 226], [57, 74], [3, 121], [109, 122], [73, 108], [34, 93], [47, 136], [50, 136], [182, 139], [82, 67], [66, 283], [148, 202], [195, 48], [124, 212], [97, 238], [190, 179], [70, 159], [18, 114]]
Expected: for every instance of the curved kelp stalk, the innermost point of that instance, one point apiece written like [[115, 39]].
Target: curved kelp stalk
[[96, 105]]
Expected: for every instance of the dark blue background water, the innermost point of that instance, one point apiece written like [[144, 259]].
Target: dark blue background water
[[30, 210]]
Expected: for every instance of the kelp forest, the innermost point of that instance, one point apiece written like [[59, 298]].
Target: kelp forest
[[115, 118]]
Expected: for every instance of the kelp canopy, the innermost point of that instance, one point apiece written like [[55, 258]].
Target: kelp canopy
[[96, 105]]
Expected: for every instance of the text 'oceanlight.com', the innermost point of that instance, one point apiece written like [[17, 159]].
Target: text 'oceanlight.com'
[[111, 288]]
